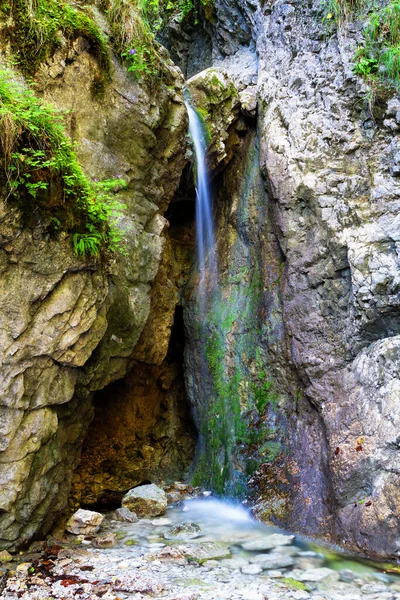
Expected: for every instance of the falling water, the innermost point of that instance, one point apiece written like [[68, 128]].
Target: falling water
[[204, 224]]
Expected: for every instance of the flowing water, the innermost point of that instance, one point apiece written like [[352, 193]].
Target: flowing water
[[207, 261], [202, 549]]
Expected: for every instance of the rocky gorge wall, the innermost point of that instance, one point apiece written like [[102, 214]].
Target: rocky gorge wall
[[320, 368], [69, 325], [300, 396]]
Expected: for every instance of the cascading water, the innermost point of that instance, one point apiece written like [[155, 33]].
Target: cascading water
[[207, 260]]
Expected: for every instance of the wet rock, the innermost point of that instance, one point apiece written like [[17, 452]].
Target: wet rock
[[376, 587], [146, 500], [183, 531], [252, 569], [138, 583], [169, 555], [316, 575], [105, 541], [268, 542], [272, 561], [84, 522], [125, 515], [200, 553]]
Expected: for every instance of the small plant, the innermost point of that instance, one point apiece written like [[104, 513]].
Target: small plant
[[140, 61], [44, 177]]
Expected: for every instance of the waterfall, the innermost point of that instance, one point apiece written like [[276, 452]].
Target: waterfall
[[207, 260]]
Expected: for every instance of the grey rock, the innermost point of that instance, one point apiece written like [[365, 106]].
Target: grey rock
[[146, 500], [272, 561], [124, 514], [84, 522], [268, 542], [183, 531]]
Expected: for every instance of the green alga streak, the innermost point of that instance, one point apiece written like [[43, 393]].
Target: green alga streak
[[241, 390]]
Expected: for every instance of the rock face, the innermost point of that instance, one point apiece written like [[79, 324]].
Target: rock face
[[146, 500], [305, 329], [68, 325]]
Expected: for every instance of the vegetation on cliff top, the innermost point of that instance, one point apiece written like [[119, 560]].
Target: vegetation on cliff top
[[378, 59], [34, 28], [43, 176]]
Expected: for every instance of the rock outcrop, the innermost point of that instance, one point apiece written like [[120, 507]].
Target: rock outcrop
[[69, 325], [304, 331]]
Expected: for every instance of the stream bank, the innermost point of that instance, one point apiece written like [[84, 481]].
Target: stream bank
[[229, 557]]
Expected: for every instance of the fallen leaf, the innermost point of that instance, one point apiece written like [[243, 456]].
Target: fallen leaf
[[359, 448]]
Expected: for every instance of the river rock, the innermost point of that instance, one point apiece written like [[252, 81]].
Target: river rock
[[200, 553], [5, 556], [105, 541], [272, 561], [84, 522], [183, 531], [251, 569], [146, 500], [268, 542], [316, 575], [124, 514]]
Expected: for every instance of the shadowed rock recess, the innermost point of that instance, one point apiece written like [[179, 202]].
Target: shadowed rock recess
[[299, 403]]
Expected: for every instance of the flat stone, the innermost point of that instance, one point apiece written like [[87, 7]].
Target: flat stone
[[268, 542], [146, 500], [183, 531], [84, 522], [374, 588], [251, 569], [272, 561], [318, 574], [200, 553]]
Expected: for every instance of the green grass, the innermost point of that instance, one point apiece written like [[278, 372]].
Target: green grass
[[378, 59], [43, 176]]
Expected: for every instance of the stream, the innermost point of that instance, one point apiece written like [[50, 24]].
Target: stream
[[220, 552]]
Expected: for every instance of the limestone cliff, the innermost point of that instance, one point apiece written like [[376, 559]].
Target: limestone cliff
[[304, 335], [69, 324], [299, 398]]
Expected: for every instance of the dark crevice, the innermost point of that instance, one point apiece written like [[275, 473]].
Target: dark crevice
[[142, 431]]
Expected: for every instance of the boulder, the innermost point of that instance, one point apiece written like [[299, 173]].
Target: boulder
[[85, 522], [146, 500]]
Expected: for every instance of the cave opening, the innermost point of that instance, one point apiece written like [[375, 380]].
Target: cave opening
[[142, 431]]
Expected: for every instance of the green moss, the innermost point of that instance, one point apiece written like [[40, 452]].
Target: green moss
[[35, 28], [43, 176], [293, 584]]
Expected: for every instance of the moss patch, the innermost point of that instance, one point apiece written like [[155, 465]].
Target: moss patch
[[35, 29]]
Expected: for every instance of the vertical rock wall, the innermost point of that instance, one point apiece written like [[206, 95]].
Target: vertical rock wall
[[328, 305], [69, 325]]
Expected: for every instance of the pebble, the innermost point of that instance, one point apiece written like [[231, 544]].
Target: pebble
[[251, 569], [198, 569]]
